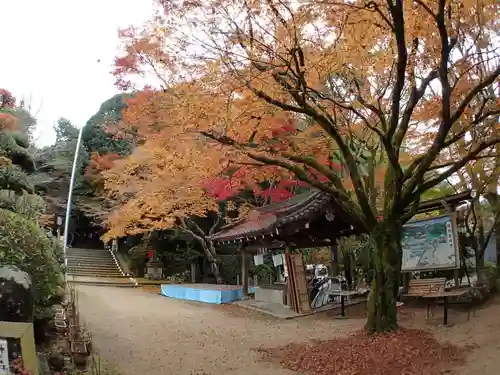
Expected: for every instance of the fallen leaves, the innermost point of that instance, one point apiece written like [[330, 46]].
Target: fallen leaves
[[406, 352]]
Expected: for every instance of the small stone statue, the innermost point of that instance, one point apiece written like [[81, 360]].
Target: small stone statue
[[16, 295]]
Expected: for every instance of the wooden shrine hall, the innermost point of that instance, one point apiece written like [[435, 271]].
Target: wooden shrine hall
[[310, 219]]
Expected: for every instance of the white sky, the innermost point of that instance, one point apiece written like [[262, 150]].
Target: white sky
[[50, 52]]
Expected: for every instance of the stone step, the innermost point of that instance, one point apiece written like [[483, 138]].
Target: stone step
[[85, 249], [94, 274], [89, 260], [101, 281], [87, 256], [82, 259], [92, 263], [93, 267], [88, 253]]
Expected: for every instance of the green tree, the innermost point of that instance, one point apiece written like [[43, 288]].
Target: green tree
[[96, 136], [372, 77], [22, 242]]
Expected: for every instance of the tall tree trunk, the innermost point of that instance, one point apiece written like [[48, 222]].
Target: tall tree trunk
[[479, 251], [209, 250], [497, 245], [334, 263], [382, 314], [212, 260]]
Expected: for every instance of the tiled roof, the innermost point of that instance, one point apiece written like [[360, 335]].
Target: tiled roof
[[267, 219], [301, 209]]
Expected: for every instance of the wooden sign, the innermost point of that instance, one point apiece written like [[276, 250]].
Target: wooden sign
[[297, 282], [17, 334]]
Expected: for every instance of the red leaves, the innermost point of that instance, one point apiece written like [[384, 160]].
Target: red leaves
[[101, 163], [276, 194], [408, 352], [97, 165], [7, 121], [223, 188], [286, 128], [7, 100], [18, 367]]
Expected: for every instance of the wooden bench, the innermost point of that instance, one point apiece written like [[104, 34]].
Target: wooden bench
[[433, 289], [425, 287]]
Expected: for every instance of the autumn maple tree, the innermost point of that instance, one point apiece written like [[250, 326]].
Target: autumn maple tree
[[361, 79], [174, 181]]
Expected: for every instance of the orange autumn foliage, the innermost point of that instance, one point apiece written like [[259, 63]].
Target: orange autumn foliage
[[325, 68], [7, 101], [97, 165], [385, 88]]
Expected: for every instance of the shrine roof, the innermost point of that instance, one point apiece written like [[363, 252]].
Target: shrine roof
[[298, 211], [269, 219], [442, 202]]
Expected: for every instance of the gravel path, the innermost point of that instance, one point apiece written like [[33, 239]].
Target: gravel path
[[140, 332]]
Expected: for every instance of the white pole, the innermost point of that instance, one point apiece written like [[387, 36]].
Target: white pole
[[68, 205]]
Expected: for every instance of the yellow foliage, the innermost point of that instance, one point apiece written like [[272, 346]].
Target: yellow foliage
[[362, 82]]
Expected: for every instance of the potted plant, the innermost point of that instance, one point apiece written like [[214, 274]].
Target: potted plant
[[60, 316], [79, 353], [87, 339], [61, 326], [74, 333], [70, 315], [59, 310]]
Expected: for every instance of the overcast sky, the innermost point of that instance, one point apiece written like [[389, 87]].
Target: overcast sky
[[50, 52]]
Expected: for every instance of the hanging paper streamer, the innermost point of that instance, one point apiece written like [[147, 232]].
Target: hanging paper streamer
[[258, 259], [4, 357], [278, 260]]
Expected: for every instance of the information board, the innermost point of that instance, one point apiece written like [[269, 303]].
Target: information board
[[10, 350], [430, 244]]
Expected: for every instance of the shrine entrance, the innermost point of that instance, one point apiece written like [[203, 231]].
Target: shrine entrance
[[308, 220]]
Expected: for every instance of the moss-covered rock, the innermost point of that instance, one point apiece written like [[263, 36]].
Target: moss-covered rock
[[25, 245], [12, 177]]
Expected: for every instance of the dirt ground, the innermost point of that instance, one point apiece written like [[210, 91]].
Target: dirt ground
[[139, 332]]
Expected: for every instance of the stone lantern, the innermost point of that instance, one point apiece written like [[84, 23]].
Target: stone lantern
[[154, 268]]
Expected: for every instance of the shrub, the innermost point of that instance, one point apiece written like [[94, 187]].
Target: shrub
[[25, 245]]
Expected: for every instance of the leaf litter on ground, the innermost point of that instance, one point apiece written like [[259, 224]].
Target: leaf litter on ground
[[404, 352]]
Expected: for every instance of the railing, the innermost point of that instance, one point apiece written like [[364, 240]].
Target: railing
[[132, 279]]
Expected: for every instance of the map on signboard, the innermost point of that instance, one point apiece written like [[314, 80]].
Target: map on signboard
[[429, 244]]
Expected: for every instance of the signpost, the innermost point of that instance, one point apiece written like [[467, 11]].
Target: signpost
[[430, 244], [17, 340]]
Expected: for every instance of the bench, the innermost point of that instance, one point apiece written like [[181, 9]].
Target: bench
[[425, 287], [430, 289]]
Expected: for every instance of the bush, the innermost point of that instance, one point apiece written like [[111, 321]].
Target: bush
[[25, 245]]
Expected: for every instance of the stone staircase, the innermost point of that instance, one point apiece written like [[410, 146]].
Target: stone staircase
[[95, 266]]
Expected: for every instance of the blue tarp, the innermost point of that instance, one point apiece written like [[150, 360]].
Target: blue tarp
[[202, 295]]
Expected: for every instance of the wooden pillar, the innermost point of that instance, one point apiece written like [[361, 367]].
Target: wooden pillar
[[288, 290], [244, 273], [193, 273], [407, 276], [449, 209], [334, 263]]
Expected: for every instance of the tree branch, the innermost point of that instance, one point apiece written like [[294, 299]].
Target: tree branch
[[415, 96], [456, 166], [342, 199], [490, 79]]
